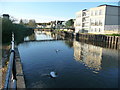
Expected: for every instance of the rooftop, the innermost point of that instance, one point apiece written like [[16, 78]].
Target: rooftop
[[107, 5], [6, 15]]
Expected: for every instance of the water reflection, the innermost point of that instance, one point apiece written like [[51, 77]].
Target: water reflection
[[43, 35], [91, 66], [90, 55], [95, 57]]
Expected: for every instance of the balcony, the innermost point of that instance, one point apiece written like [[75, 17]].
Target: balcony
[[84, 20], [85, 14]]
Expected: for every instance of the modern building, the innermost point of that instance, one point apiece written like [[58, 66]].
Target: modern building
[[103, 19]]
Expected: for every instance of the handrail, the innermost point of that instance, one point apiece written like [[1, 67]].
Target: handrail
[[10, 81]]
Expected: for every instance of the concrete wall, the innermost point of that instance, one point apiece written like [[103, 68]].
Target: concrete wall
[[111, 17], [112, 20]]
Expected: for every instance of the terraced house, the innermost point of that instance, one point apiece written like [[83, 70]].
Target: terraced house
[[103, 19]]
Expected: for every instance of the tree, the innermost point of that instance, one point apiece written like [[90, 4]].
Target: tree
[[32, 23], [70, 23], [21, 22], [20, 31]]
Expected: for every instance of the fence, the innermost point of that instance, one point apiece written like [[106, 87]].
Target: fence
[[106, 41], [11, 81], [99, 40]]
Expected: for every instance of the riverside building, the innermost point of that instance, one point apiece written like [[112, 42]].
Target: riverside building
[[103, 19]]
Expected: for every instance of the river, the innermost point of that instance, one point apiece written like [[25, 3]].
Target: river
[[78, 65]]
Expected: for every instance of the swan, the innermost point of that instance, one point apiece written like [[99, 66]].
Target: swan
[[57, 50], [53, 74]]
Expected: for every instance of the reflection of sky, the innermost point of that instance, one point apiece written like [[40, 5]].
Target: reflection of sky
[[40, 58], [26, 38], [39, 36], [43, 37]]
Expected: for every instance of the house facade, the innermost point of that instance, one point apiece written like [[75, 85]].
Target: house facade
[[103, 19]]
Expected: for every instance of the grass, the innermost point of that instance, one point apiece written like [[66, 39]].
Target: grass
[[112, 34]]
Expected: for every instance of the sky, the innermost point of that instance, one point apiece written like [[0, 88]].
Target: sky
[[46, 11]]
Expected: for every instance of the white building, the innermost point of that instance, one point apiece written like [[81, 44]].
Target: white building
[[99, 20]]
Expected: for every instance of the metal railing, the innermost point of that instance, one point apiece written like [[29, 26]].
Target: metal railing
[[11, 80]]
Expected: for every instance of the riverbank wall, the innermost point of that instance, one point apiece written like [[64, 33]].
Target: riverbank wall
[[106, 41], [99, 40], [19, 70]]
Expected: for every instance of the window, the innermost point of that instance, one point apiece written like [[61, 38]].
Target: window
[[95, 22], [91, 13], [95, 29], [100, 22], [100, 12], [99, 29], [92, 22], [96, 12], [91, 30]]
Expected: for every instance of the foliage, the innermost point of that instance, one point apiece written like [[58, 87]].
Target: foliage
[[21, 22], [32, 23], [20, 31], [113, 34], [69, 23]]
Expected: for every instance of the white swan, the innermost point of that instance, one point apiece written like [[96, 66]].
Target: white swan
[[53, 74], [57, 50]]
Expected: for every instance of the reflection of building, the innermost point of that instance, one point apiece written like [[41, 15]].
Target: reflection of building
[[56, 36], [102, 19], [77, 50], [88, 54]]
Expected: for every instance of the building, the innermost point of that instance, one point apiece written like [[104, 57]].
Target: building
[[43, 25], [53, 24], [6, 16], [99, 20]]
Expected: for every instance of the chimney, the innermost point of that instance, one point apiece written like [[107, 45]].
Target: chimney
[[6, 16]]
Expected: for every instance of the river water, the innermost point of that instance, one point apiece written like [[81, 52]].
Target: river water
[[78, 65]]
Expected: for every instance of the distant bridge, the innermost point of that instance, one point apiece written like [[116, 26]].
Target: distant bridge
[[42, 29]]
